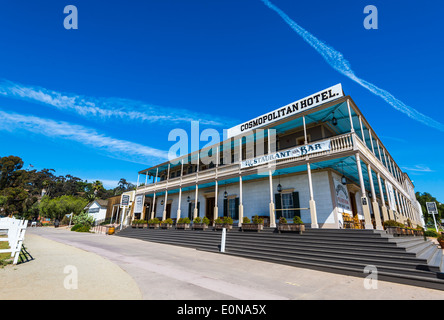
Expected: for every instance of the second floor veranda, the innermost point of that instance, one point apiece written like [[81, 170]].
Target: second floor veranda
[[338, 124]]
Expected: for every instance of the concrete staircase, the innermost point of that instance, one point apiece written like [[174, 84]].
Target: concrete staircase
[[407, 260]]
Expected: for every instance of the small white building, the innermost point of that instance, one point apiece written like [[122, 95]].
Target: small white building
[[97, 209]]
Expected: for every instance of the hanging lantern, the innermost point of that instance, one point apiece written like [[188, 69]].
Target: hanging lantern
[[344, 180], [225, 194], [279, 188], [334, 121], [188, 199]]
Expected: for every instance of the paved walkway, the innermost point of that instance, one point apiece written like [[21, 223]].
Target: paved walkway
[[111, 267]]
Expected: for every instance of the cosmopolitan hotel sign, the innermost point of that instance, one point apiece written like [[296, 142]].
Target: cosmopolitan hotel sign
[[306, 103]]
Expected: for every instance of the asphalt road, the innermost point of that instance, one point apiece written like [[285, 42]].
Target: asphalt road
[[71, 265]]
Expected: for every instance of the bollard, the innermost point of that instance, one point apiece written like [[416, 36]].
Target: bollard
[[222, 244]]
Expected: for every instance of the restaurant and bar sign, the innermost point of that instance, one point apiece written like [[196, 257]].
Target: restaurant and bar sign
[[290, 153]]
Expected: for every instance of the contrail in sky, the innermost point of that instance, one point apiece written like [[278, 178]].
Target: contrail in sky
[[115, 148], [337, 61], [104, 108]]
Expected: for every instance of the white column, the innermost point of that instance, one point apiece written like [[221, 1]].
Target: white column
[[216, 194], [241, 207], [364, 201], [389, 201], [270, 176], [152, 209], [164, 205], [381, 193], [375, 205], [350, 117], [195, 203], [180, 194], [312, 203]]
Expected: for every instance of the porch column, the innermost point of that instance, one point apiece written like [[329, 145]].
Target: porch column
[[178, 205], [270, 176], [180, 194], [165, 205], [241, 207], [364, 201], [216, 194], [195, 203], [350, 117], [216, 186], [398, 206], [152, 209], [383, 206], [271, 205], [312, 203], [389, 201], [375, 205]]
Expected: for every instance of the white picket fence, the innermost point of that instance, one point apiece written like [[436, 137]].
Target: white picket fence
[[16, 230]]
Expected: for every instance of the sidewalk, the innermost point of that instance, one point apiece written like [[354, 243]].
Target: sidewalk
[[44, 278]]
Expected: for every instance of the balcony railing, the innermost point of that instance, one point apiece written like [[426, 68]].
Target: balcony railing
[[338, 144]]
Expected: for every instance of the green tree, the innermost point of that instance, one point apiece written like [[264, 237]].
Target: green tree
[[427, 197]]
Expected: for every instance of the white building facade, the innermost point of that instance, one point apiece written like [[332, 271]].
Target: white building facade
[[317, 158]]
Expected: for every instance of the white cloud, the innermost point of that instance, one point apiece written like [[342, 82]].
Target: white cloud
[[121, 149], [106, 108], [418, 168]]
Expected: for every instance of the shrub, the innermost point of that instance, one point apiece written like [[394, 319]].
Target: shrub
[[206, 220], [81, 228], [246, 220], [184, 220], [228, 220], [431, 233], [297, 220], [168, 221], [393, 223], [197, 220], [282, 220], [83, 218], [153, 221], [219, 220], [258, 220]]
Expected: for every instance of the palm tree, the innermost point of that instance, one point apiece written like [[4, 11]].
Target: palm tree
[[96, 186]]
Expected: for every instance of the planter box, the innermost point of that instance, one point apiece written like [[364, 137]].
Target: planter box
[[200, 226], [252, 227], [142, 225], [166, 225], [184, 226], [153, 226], [291, 227], [395, 231], [220, 226]]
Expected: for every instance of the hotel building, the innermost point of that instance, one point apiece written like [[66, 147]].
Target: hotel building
[[317, 158]]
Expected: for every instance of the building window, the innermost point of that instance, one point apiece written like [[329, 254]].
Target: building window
[[287, 203]]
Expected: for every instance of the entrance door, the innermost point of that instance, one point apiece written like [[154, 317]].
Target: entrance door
[[209, 208], [168, 211]]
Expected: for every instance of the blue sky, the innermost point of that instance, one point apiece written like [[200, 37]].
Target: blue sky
[[98, 102]]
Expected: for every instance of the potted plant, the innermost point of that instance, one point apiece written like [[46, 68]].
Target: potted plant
[[257, 225], [296, 226], [201, 223], [154, 223], [225, 222], [142, 224], [167, 223], [394, 228], [183, 223]]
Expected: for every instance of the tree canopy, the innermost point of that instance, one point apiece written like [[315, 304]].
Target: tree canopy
[[30, 193]]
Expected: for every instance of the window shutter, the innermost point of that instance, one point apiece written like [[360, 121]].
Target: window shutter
[[225, 207], [198, 208], [278, 204], [296, 204]]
